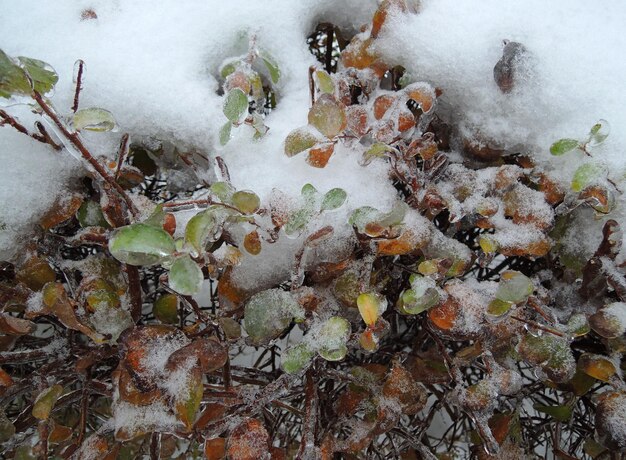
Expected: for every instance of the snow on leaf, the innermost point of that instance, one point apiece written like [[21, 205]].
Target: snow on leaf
[[333, 199], [325, 82], [328, 116], [268, 313], [332, 337], [299, 140], [296, 358], [272, 66], [225, 132]]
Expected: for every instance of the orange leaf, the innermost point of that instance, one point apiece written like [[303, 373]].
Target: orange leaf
[[215, 449], [318, 156], [249, 441]]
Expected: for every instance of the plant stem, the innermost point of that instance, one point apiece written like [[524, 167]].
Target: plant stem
[[76, 142]]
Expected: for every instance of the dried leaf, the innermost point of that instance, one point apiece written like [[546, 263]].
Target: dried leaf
[[249, 441]]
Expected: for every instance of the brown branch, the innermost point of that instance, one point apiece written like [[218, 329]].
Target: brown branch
[[223, 168], [134, 285], [76, 142], [79, 84], [121, 154], [155, 446], [538, 326], [197, 203], [46, 137], [309, 424], [312, 84]]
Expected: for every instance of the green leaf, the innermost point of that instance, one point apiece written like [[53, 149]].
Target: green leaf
[[13, 79], [141, 244], [377, 150], [560, 413], [229, 67], [296, 358], [563, 146], [268, 313], [247, 202], [201, 229], [93, 119], [325, 82], [225, 133], [587, 174], [499, 307], [599, 132], [157, 218], [333, 199], [332, 338], [395, 216], [43, 76], [514, 287], [299, 140], [185, 276], [235, 105], [90, 215], [43, 405], [328, 116], [298, 220], [165, 309], [272, 67], [223, 191], [422, 296]]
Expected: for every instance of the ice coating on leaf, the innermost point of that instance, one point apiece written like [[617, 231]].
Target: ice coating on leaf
[[328, 116], [611, 420], [330, 338], [141, 244], [185, 276], [268, 313], [93, 119]]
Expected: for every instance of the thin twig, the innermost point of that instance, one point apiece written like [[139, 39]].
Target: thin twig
[[79, 84], [76, 142], [122, 151], [223, 168]]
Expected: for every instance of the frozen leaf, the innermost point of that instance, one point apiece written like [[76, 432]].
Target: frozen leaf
[[596, 366], [332, 338], [488, 244], [422, 296], [499, 307], [578, 325], [514, 287], [252, 243], [333, 199], [401, 387], [201, 229], [231, 328], [298, 220], [13, 79], [247, 202], [235, 105], [165, 309], [561, 413], [223, 191], [551, 353], [141, 244], [600, 198], [43, 76], [296, 358], [93, 119], [45, 402], [299, 140], [377, 150], [272, 67], [599, 132], [325, 82], [225, 132], [587, 174], [609, 321], [248, 441], [328, 116], [563, 146], [370, 307], [268, 313], [59, 433], [90, 214], [185, 276], [229, 67]]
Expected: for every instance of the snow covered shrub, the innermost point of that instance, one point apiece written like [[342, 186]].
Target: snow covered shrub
[[393, 280]]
